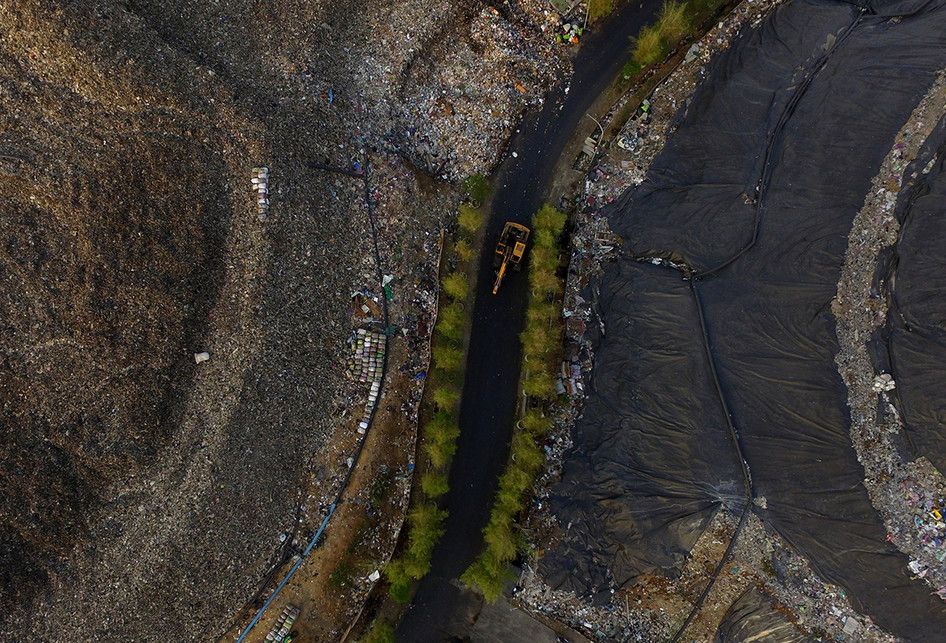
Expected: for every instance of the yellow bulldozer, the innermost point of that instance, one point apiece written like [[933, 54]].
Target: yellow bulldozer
[[509, 251]]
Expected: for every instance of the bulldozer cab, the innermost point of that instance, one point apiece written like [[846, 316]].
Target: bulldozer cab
[[510, 250]]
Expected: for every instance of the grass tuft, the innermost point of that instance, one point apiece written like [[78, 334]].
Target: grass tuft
[[464, 250], [381, 632], [674, 22], [598, 9], [477, 189], [648, 46], [456, 285], [470, 219]]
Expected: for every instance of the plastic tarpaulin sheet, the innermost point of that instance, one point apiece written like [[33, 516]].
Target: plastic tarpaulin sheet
[[915, 347], [755, 194], [653, 460], [752, 617]]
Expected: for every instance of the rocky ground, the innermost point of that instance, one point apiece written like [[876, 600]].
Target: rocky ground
[[146, 495]]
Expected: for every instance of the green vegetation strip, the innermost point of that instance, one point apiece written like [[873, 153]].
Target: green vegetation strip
[[542, 342], [674, 24], [598, 9], [425, 521], [381, 632]]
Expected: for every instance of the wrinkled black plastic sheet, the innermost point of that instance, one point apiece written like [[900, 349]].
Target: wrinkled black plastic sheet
[[653, 460], [915, 347], [787, 133], [753, 617]]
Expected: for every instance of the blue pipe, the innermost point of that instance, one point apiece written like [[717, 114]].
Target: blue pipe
[[292, 570]]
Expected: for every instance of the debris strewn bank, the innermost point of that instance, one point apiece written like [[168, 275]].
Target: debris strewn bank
[[906, 489]]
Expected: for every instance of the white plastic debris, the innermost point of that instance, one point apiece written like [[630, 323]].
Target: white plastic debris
[[201, 357], [851, 626], [884, 383]]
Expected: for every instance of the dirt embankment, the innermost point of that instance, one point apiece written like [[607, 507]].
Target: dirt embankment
[[145, 495]]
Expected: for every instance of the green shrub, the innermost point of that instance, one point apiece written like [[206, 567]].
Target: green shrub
[[598, 9], [539, 383], [508, 499], [440, 435], [464, 250], [545, 238], [649, 46], [442, 427], [447, 357], [381, 632], [451, 322], [526, 453], [499, 536], [544, 259], [440, 452], [516, 481], [396, 574], [541, 315], [417, 565], [434, 484], [440, 439], [456, 285], [446, 397], [545, 284], [674, 22], [477, 188], [426, 527], [488, 574], [549, 218], [631, 69], [534, 341], [439, 457], [401, 591], [535, 423], [470, 219]]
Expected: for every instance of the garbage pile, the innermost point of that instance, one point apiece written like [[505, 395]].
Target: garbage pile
[[571, 33], [367, 356], [366, 366], [884, 383], [568, 381], [613, 621], [306, 86], [452, 113], [281, 630], [908, 494], [260, 183]]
